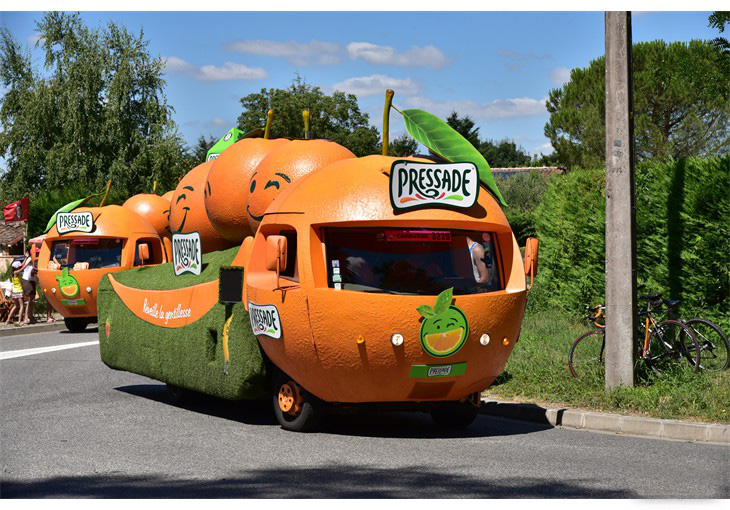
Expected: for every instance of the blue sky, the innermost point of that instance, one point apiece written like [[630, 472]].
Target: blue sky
[[496, 67]]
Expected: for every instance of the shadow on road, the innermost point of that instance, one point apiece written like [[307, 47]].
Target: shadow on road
[[94, 330], [338, 481], [364, 423]]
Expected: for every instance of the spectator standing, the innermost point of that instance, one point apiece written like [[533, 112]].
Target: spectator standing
[[28, 282], [16, 295]]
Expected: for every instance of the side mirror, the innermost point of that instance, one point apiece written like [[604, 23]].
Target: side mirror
[[143, 252], [276, 253], [531, 248]]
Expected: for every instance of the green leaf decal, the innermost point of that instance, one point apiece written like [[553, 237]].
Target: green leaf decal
[[444, 140], [443, 301], [68, 208], [426, 311]]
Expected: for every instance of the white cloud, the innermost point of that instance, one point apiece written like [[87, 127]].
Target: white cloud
[[426, 56], [497, 109], [545, 148], [228, 71], [35, 38], [178, 65], [560, 75], [300, 54], [218, 122], [377, 84]]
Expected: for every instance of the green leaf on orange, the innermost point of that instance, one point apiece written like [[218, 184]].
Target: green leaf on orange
[[426, 311], [443, 301], [445, 141]]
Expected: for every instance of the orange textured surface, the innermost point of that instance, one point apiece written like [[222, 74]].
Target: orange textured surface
[[168, 196], [187, 209], [109, 221], [284, 166], [337, 343], [229, 179], [153, 208]]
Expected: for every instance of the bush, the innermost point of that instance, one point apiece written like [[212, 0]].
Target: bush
[[683, 236], [523, 193]]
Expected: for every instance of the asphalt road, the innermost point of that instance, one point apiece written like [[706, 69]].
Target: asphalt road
[[71, 427]]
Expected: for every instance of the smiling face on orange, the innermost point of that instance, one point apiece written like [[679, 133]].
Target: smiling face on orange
[[187, 209], [153, 208], [227, 180], [284, 165]]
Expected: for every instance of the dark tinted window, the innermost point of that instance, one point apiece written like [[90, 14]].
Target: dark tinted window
[[99, 253], [413, 261]]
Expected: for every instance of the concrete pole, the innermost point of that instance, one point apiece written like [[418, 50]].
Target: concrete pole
[[620, 204]]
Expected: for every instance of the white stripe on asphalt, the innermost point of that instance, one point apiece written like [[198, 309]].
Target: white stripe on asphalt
[[41, 350]]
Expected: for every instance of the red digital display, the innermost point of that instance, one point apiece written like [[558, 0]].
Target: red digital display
[[85, 240], [410, 236]]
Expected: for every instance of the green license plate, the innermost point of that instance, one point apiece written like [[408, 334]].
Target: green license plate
[[431, 371]]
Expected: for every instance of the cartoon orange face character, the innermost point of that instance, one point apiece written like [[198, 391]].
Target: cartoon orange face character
[[283, 166], [228, 178], [187, 209], [153, 208]]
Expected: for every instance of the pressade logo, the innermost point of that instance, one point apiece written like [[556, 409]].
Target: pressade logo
[[265, 320], [187, 253], [74, 222], [416, 185]]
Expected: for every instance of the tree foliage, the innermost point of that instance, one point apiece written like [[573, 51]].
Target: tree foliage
[[718, 20], [402, 146], [681, 105], [97, 111], [499, 154], [337, 117]]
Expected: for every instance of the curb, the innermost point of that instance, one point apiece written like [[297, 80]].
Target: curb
[[606, 422], [25, 330]]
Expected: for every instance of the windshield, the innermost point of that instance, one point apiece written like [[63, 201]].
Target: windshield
[[97, 253], [413, 261]]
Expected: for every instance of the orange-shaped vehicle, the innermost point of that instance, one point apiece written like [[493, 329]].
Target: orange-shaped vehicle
[[361, 301], [85, 244]]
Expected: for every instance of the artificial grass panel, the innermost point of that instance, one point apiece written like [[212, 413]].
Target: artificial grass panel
[[191, 356]]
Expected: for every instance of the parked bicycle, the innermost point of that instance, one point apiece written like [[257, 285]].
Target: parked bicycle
[[713, 341], [660, 344]]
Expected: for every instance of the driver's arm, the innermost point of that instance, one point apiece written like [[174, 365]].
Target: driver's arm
[[477, 255]]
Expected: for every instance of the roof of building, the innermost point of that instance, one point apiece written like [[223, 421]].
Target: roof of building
[[547, 170], [10, 233]]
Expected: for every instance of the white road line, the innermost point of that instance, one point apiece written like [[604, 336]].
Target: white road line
[[40, 350]]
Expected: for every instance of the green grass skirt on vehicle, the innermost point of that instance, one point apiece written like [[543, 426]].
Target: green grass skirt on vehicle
[[191, 356]]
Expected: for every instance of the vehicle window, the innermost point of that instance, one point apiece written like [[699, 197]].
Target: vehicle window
[[155, 252], [99, 253], [414, 261], [291, 271]]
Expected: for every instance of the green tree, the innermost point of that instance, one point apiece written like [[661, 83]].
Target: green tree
[[465, 127], [337, 117], [98, 112], [718, 20], [681, 105], [402, 146], [504, 154], [201, 148]]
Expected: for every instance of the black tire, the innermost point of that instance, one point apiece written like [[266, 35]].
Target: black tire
[[310, 415], [669, 343], [455, 414], [714, 345], [177, 395], [76, 325], [587, 358]]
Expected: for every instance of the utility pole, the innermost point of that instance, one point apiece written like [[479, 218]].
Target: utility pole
[[620, 204]]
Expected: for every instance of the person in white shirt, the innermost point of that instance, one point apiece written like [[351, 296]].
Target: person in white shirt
[[28, 283]]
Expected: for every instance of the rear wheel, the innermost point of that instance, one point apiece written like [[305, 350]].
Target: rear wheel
[[587, 359], [76, 325], [295, 408], [670, 341], [455, 414], [713, 343]]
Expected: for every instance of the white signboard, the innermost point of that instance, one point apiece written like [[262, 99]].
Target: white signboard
[[265, 320], [415, 185], [187, 254], [74, 222]]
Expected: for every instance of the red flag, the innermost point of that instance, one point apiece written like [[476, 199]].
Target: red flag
[[17, 211]]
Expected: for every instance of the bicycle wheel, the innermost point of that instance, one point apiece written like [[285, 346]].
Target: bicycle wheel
[[670, 341], [587, 356], [713, 342]]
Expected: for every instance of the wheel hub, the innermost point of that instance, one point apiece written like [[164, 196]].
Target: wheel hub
[[290, 398]]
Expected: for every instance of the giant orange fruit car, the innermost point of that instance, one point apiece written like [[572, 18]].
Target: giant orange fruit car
[[82, 246]]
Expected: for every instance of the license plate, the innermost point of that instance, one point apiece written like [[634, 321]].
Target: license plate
[[429, 372], [73, 302]]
